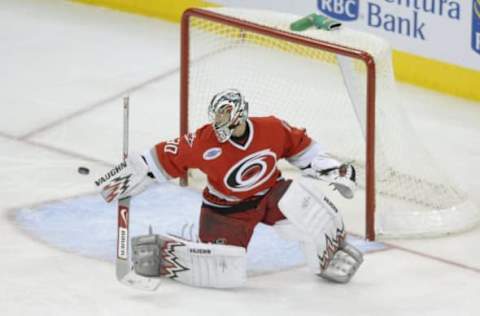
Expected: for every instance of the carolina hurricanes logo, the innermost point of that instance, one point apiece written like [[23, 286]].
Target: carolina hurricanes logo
[[251, 171]]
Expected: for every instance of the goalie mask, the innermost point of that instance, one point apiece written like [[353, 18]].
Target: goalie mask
[[226, 111]]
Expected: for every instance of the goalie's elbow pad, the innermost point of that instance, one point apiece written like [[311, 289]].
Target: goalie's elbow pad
[[128, 178]]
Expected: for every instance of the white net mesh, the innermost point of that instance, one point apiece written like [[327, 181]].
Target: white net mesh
[[326, 93]]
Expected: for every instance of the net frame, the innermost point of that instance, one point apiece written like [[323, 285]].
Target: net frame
[[341, 50]]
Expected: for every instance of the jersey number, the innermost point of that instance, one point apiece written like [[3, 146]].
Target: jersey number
[[172, 146]]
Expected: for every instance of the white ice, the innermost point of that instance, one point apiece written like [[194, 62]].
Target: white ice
[[168, 208], [65, 67]]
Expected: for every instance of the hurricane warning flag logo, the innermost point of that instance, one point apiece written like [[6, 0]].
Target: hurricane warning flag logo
[[476, 26], [343, 10]]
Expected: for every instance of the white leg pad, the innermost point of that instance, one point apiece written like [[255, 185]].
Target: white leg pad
[[313, 213], [286, 230], [201, 264]]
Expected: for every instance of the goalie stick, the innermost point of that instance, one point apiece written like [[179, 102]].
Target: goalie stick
[[123, 268]]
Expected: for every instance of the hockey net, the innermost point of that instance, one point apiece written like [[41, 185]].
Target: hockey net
[[340, 86]]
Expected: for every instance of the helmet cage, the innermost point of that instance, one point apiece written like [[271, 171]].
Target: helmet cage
[[234, 100]]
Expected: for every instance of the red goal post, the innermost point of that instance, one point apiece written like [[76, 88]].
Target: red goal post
[[214, 34]]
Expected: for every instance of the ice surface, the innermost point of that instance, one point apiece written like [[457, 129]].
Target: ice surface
[[87, 225], [60, 57]]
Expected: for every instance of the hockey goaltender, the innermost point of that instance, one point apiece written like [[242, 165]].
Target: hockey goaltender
[[238, 154]]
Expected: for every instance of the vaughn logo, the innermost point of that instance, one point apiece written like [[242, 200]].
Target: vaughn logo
[[343, 10], [331, 204], [212, 153], [476, 26], [111, 173], [117, 186], [200, 251]]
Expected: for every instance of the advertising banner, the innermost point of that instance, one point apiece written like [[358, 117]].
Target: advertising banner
[[443, 30], [436, 43]]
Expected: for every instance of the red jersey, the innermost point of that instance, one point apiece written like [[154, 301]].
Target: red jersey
[[235, 172]]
